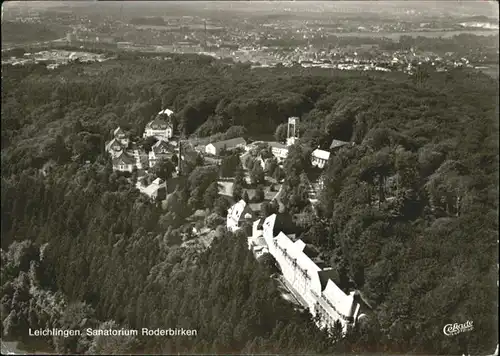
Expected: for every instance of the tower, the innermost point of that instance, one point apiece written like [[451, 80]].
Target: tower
[[292, 132], [179, 162]]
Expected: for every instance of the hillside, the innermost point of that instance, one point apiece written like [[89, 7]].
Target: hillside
[[408, 213]]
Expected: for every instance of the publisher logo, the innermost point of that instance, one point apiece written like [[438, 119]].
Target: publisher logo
[[454, 329]]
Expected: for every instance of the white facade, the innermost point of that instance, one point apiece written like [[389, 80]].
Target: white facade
[[319, 158], [160, 128], [304, 277], [292, 131], [214, 148], [279, 150], [123, 167], [137, 157], [210, 149], [237, 214], [160, 134]]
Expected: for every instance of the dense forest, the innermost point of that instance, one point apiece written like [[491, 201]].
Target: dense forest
[[408, 213]]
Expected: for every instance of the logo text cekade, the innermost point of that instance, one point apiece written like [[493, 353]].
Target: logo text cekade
[[454, 329], [113, 332]]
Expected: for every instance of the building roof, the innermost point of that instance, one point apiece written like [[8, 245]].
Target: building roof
[[236, 211], [118, 131], [232, 143], [342, 303], [327, 274], [158, 124], [274, 144], [337, 143], [157, 181], [295, 251], [153, 188], [321, 154], [311, 251], [167, 112], [112, 143], [160, 146], [280, 222], [123, 158]]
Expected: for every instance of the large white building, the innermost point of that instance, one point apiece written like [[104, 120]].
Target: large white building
[[161, 127], [316, 286]]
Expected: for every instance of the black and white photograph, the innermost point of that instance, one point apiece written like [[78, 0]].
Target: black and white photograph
[[250, 177]]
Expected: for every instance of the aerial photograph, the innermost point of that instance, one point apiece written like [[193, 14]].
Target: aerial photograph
[[250, 178]]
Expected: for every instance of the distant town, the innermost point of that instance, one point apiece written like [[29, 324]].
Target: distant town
[[267, 41]]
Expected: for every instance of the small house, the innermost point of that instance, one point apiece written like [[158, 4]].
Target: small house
[[159, 151], [124, 162], [319, 158], [237, 215], [216, 148]]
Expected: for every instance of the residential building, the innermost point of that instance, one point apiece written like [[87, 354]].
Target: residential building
[[114, 148], [156, 190], [158, 151], [319, 158], [119, 142], [161, 127], [318, 288], [123, 162], [237, 215], [121, 137], [279, 150], [216, 148]]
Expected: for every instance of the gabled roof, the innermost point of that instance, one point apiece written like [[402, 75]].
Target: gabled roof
[[326, 275], [238, 210], [321, 154], [342, 302], [118, 131], [159, 146], [280, 222], [158, 124], [157, 181], [338, 143], [112, 143], [123, 158], [232, 143], [152, 188], [311, 251]]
